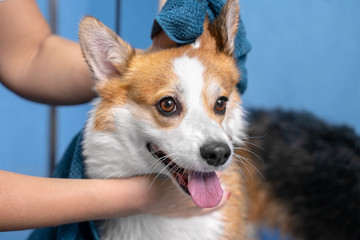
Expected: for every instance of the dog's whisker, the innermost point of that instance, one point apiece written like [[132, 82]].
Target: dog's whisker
[[238, 157], [154, 166], [249, 151], [160, 162], [257, 170], [249, 162], [157, 175], [254, 137], [253, 144], [240, 169], [162, 159], [245, 158]]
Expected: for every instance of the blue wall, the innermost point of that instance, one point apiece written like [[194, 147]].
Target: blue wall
[[305, 55]]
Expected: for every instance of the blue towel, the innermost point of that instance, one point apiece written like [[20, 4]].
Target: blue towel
[[71, 166], [182, 21]]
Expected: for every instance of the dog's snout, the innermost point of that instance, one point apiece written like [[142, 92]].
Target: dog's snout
[[215, 153]]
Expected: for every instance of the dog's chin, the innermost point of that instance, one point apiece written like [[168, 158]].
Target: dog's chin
[[178, 173], [203, 187]]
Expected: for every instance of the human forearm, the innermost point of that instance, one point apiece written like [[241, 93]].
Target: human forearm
[[33, 202], [37, 65], [57, 74]]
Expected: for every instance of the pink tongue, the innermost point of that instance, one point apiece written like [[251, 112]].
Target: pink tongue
[[205, 189]]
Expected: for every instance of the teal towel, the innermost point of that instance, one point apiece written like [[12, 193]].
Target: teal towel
[[182, 21], [71, 166]]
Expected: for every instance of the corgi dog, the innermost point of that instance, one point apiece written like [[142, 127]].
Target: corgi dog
[[175, 112]]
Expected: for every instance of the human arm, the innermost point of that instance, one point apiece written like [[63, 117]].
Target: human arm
[[34, 202], [36, 64]]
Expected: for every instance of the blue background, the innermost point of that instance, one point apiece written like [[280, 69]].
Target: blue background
[[305, 56]]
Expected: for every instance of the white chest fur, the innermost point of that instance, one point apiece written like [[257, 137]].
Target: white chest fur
[[149, 227]]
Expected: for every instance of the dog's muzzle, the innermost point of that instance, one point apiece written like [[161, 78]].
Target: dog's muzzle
[[204, 187]]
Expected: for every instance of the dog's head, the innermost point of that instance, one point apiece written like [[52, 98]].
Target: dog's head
[[179, 107]]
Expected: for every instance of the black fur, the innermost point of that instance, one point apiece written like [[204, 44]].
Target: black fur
[[314, 169]]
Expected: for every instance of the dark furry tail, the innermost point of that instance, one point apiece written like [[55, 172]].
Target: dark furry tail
[[310, 186]]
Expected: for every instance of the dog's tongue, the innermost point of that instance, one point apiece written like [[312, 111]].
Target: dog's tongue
[[205, 189]]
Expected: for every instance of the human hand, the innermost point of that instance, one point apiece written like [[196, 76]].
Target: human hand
[[161, 41]]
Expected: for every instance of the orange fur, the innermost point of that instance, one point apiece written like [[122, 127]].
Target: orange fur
[[113, 92], [234, 212]]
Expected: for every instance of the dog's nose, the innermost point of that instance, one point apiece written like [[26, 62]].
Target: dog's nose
[[215, 153]]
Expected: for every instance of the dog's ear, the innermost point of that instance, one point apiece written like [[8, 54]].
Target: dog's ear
[[106, 54], [224, 27]]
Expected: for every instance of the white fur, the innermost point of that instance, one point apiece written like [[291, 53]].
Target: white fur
[[193, 131], [123, 153], [196, 44], [235, 124], [149, 227]]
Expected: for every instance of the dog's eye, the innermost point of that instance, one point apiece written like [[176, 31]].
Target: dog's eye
[[220, 105], [167, 106]]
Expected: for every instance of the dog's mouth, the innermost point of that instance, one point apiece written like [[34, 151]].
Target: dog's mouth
[[203, 187]]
